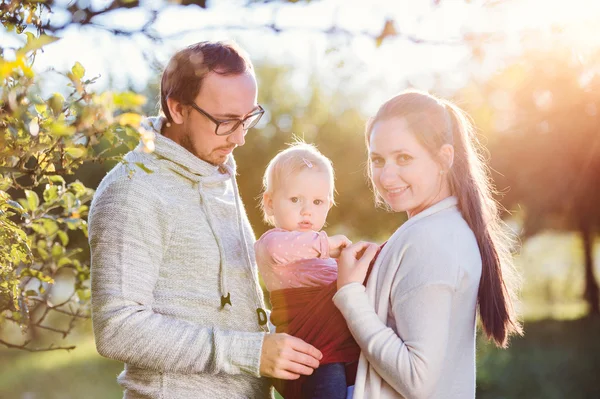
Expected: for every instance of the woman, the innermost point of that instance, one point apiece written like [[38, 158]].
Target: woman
[[415, 319]]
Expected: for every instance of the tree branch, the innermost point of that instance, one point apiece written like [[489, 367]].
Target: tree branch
[[24, 347]]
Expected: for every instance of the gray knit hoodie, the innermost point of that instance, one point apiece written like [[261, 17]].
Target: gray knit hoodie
[[168, 249]]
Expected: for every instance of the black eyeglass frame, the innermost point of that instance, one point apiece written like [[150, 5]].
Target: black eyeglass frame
[[260, 112]]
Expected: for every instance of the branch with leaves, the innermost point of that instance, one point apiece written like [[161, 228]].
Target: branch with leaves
[[22, 14], [43, 141]]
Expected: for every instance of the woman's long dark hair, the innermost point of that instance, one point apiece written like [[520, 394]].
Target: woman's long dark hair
[[436, 122]]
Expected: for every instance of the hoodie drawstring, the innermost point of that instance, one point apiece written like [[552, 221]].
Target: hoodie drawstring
[[225, 294], [260, 311]]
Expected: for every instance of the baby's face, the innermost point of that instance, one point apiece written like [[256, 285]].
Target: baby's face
[[301, 202]]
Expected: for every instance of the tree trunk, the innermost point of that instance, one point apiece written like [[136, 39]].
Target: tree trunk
[[591, 294]]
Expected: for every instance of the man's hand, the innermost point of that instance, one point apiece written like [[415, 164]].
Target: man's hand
[[286, 357], [336, 244]]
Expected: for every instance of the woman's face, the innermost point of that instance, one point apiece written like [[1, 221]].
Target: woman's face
[[404, 172]]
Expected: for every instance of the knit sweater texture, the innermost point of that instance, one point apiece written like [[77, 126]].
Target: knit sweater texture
[[415, 320], [168, 249]]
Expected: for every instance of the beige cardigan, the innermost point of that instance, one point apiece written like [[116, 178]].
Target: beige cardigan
[[415, 320]]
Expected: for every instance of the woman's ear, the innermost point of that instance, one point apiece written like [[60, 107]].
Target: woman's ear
[[268, 204], [446, 156], [176, 109]]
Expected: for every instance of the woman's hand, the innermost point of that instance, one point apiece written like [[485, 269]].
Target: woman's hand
[[354, 263]]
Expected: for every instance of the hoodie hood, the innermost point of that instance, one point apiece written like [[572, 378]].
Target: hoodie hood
[[183, 162]]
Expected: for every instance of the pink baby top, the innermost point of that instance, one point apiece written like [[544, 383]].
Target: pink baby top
[[294, 259]]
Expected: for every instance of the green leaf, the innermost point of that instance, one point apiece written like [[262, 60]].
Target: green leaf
[[39, 228], [76, 152], [56, 103], [78, 70], [72, 224], [57, 251], [56, 179], [33, 201], [59, 129], [128, 100], [15, 205], [77, 265], [64, 237], [37, 274], [41, 108], [36, 43], [84, 295], [143, 167], [64, 262], [51, 227], [41, 248], [50, 193], [68, 201], [78, 188]]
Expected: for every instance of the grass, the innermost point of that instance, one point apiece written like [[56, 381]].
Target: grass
[[80, 373], [555, 359]]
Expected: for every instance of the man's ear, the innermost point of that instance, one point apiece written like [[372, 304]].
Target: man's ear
[[176, 109], [268, 204], [446, 156]]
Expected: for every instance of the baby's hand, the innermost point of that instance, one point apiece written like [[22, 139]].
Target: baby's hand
[[336, 244]]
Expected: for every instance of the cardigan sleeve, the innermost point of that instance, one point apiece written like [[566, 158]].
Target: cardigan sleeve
[[421, 298], [128, 231]]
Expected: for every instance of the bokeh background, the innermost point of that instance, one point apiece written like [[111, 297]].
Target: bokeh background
[[526, 71]]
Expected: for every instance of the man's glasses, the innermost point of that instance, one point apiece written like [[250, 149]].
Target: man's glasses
[[225, 127]]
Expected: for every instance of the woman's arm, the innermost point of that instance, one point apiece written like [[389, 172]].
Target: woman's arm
[[420, 297], [411, 360]]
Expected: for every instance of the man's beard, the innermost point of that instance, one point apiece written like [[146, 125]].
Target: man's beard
[[188, 144]]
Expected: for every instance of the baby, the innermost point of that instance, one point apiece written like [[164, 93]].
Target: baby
[[296, 261]]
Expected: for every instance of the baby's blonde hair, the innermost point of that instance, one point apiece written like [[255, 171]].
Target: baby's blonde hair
[[297, 157]]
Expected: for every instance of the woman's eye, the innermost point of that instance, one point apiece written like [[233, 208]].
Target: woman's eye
[[404, 158], [376, 161], [294, 199], [317, 202]]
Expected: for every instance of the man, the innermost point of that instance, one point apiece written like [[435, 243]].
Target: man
[[175, 293]]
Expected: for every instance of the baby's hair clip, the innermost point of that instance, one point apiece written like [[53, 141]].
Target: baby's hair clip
[[307, 162]]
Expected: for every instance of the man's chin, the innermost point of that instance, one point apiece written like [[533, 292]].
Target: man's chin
[[217, 160]]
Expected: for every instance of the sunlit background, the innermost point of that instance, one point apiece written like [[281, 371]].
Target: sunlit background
[[526, 71]]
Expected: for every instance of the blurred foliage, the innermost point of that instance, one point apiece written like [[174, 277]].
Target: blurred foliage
[[43, 141], [19, 15], [22, 14], [550, 264], [541, 115]]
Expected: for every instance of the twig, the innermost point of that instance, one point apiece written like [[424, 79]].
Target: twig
[[24, 347]]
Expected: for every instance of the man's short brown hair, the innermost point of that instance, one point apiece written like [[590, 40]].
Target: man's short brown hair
[[183, 76]]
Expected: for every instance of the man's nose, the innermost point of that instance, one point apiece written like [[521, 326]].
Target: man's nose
[[238, 136]]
